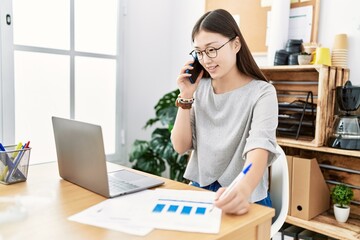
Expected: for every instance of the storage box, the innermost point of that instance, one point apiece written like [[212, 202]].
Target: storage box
[[14, 164], [310, 195]]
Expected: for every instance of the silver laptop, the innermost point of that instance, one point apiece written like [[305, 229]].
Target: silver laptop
[[81, 160]]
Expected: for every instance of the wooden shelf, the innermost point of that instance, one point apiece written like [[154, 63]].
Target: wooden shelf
[[327, 225], [347, 162], [291, 67], [306, 145], [322, 82], [291, 82]]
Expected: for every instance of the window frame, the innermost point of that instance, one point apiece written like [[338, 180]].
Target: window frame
[[7, 94]]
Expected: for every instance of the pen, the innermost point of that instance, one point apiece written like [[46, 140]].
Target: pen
[[18, 147], [2, 148], [4, 156], [4, 159], [27, 144], [237, 179]]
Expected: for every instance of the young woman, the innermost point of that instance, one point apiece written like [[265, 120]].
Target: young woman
[[228, 117]]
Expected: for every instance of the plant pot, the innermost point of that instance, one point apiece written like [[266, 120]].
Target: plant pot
[[304, 59], [341, 214]]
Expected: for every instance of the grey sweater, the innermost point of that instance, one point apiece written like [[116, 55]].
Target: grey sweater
[[227, 126]]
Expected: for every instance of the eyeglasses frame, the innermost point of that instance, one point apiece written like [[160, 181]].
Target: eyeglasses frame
[[216, 49]]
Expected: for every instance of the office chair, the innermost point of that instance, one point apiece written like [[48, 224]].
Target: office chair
[[279, 191]]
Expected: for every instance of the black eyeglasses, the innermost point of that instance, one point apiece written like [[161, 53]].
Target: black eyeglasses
[[211, 52]]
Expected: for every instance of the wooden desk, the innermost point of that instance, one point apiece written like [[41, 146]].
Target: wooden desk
[[50, 221]]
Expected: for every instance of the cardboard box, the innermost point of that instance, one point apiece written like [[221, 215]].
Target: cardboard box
[[289, 162], [310, 195]]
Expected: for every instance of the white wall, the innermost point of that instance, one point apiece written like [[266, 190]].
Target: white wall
[[157, 43], [338, 16]]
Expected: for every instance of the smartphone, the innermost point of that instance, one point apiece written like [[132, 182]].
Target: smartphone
[[195, 72]]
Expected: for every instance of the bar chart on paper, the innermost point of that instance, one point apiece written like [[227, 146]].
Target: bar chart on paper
[[181, 207], [184, 211]]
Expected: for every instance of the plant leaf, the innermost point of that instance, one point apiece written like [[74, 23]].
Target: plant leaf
[[167, 115], [165, 109], [152, 156], [145, 159], [160, 142], [139, 148], [342, 195]]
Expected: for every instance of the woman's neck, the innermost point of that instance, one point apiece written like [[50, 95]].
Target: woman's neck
[[231, 81]]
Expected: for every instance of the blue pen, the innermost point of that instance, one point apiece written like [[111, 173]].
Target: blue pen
[[2, 148], [3, 169], [5, 158]]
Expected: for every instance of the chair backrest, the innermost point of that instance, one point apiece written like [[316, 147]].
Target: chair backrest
[[279, 190]]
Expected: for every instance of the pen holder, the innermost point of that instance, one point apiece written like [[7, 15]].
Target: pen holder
[[14, 164]]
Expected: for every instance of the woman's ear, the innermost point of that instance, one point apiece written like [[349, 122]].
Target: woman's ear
[[237, 44]]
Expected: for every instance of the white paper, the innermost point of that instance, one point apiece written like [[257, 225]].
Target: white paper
[[278, 26], [119, 214], [184, 210], [300, 23], [134, 213]]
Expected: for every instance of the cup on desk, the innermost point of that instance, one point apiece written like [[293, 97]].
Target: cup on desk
[[321, 56]]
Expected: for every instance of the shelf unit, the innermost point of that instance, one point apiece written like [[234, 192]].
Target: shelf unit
[[336, 165], [349, 153], [298, 117], [327, 225], [321, 81]]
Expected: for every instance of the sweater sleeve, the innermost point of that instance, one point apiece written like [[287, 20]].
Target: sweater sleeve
[[264, 122]]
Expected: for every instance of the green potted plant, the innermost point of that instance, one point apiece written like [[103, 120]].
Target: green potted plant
[[154, 155], [341, 196]]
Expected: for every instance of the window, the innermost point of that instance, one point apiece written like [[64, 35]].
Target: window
[[66, 63]]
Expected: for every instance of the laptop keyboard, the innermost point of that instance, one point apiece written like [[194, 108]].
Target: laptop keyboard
[[117, 185]]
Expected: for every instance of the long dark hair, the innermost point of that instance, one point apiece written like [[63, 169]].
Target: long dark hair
[[221, 21]]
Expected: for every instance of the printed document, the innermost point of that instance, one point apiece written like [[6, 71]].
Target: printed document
[[119, 214], [184, 210], [139, 213]]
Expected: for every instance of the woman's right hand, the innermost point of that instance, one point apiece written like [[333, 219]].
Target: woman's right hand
[[187, 88]]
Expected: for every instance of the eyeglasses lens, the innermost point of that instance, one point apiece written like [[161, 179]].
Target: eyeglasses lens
[[210, 52]]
